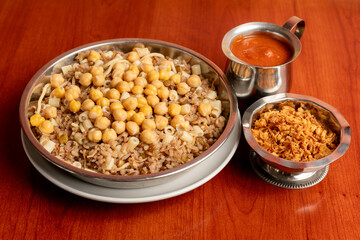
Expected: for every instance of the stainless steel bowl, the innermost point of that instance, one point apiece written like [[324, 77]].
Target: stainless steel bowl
[[288, 173], [209, 70]]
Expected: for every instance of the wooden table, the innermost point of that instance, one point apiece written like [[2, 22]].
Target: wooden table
[[236, 204]]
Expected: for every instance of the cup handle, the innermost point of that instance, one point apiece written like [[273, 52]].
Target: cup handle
[[295, 22]]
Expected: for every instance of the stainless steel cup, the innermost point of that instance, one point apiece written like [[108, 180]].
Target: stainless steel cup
[[253, 82]]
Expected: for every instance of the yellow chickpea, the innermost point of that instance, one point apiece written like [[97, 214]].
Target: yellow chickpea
[[74, 106], [95, 136], [118, 126], [50, 112], [113, 94], [146, 110], [103, 102], [130, 103], [148, 136], [129, 76], [71, 94], [183, 88], [152, 75], [133, 56], [166, 65], [164, 75], [141, 102], [185, 109], [94, 56], [177, 120], [176, 78], [152, 100], [147, 67], [95, 94], [97, 70], [123, 87], [148, 124], [87, 105], [140, 81], [46, 127], [157, 83], [132, 128], [147, 60], [138, 118], [137, 90], [115, 105], [56, 80], [161, 122], [36, 120], [161, 108], [150, 90], [204, 109], [98, 80], [102, 123], [174, 109], [59, 92], [115, 81], [194, 81], [130, 114], [85, 79], [119, 114], [163, 92], [135, 69], [95, 112], [108, 135], [119, 66], [75, 88]]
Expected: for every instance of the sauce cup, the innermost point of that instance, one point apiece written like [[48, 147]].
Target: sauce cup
[[251, 82]]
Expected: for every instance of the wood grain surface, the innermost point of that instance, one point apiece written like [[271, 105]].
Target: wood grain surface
[[236, 204]]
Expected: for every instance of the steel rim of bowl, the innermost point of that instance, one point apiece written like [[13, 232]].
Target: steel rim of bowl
[[119, 178], [345, 132]]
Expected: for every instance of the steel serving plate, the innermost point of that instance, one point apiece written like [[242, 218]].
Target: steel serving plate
[[209, 70]]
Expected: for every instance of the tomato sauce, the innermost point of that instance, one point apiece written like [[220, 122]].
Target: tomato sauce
[[261, 50]]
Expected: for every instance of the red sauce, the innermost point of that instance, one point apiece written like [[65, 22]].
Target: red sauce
[[261, 50]]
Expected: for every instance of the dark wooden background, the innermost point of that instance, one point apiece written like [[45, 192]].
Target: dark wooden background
[[236, 204]]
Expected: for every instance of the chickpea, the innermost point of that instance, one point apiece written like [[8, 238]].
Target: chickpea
[[183, 88], [152, 75], [103, 102], [185, 109], [150, 90], [204, 109], [50, 112], [130, 114], [123, 87], [152, 100], [177, 120], [46, 127], [95, 112], [147, 60], [130, 103], [59, 92], [164, 75], [102, 123], [129, 76], [97, 70], [113, 94], [85, 79], [95, 136], [115, 81], [95, 94], [115, 105], [118, 126], [157, 83], [141, 102], [161, 122], [140, 81], [132, 128], [161, 108], [176, 78], [137, 90], [119, 66], [146, 110], [147, 67], [135, 69], [166, 65], [71, 94], [119, 114], [94, 56], [98, 80], [133, 56], [74, 106], [75, 88], [56, 80], [163, 92], [148, 136], [117, 74], [194, 81], [109, 135], [174, 109], [87, 105], [148, 124], [131, 85], [36, 120], [138, 118]]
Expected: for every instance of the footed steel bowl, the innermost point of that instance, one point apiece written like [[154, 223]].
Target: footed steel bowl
[[209, 70]]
